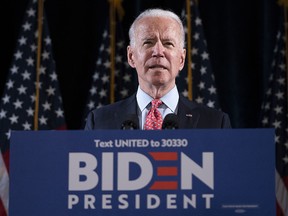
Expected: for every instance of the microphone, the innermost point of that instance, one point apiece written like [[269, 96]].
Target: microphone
[[170, 121], [132, 123]]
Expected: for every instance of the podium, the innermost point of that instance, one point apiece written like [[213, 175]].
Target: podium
[[170, 172]]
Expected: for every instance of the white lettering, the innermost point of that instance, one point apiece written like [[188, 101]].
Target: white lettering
[[131, 143], [103, 144], [191, 201], [171, 201], [153, 201], [123, 203], [82, 165], [208, 198], [107, 171], [72, 200], [204, 173], [106, 201], [124, 182], [89, 201], [148, 201], [137, 201]]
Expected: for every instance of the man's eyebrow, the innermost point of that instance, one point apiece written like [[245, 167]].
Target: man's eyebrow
[[148, 37], [173, 40]]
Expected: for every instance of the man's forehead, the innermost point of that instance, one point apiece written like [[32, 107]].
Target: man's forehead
[[156, 21], [153, 25]]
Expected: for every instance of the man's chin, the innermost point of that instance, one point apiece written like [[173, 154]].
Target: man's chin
[[159, 82]]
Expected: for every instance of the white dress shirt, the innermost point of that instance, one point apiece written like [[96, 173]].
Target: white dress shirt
[[169, 104]]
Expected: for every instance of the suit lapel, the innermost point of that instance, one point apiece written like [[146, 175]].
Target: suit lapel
[[187, 116], [128, 108]]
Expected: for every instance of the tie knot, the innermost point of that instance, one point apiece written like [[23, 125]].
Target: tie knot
[[156, 103]]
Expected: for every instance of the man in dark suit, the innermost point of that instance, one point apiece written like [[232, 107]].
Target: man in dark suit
[[157, 53]]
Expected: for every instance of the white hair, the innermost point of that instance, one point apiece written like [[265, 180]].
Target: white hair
[[156, 12]]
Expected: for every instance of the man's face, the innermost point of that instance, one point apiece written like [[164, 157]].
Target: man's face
[[157, 53]]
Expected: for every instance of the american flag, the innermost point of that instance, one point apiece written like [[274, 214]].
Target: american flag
[[203, 82], [274, 115], [17, 106], [125, 77]]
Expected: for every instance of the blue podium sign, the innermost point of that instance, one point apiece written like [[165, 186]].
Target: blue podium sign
[[170, 172]]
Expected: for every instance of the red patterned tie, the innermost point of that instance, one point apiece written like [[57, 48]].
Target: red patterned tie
[[154, 118]]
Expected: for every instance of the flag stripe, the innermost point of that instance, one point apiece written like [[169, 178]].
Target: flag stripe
[[274, 115], [164, 185], [167, 171], [17, 105], [281, 194], [164, 156], [6, 159], [203, 81], [3, 212], [4, 183]]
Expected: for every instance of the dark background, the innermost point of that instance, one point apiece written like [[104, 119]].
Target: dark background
[[240, 36]]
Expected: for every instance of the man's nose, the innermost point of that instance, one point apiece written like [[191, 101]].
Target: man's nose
[[158, 50]]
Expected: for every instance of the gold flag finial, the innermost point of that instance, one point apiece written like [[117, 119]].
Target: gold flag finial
[[118, 7], [283, 3]]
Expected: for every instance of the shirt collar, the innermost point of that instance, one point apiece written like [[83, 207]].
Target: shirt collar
[[170, 99]]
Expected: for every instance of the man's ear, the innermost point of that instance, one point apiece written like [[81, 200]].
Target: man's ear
[[130, 57], [182, 59]]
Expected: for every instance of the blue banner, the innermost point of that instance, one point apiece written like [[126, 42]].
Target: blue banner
[[170, 172]]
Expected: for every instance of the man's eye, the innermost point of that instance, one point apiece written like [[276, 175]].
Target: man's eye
[[147, 42], [169, 44]]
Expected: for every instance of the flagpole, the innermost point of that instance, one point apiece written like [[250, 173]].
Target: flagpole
[[38, 63], [112, 49], [189, 55], [286, 49]]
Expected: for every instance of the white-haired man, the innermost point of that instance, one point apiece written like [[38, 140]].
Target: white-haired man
[[157, 53]]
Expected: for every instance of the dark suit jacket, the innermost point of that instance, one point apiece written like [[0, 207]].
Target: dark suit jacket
[[190, 114]]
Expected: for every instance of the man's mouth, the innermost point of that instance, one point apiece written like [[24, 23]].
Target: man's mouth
[[158, 67]]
